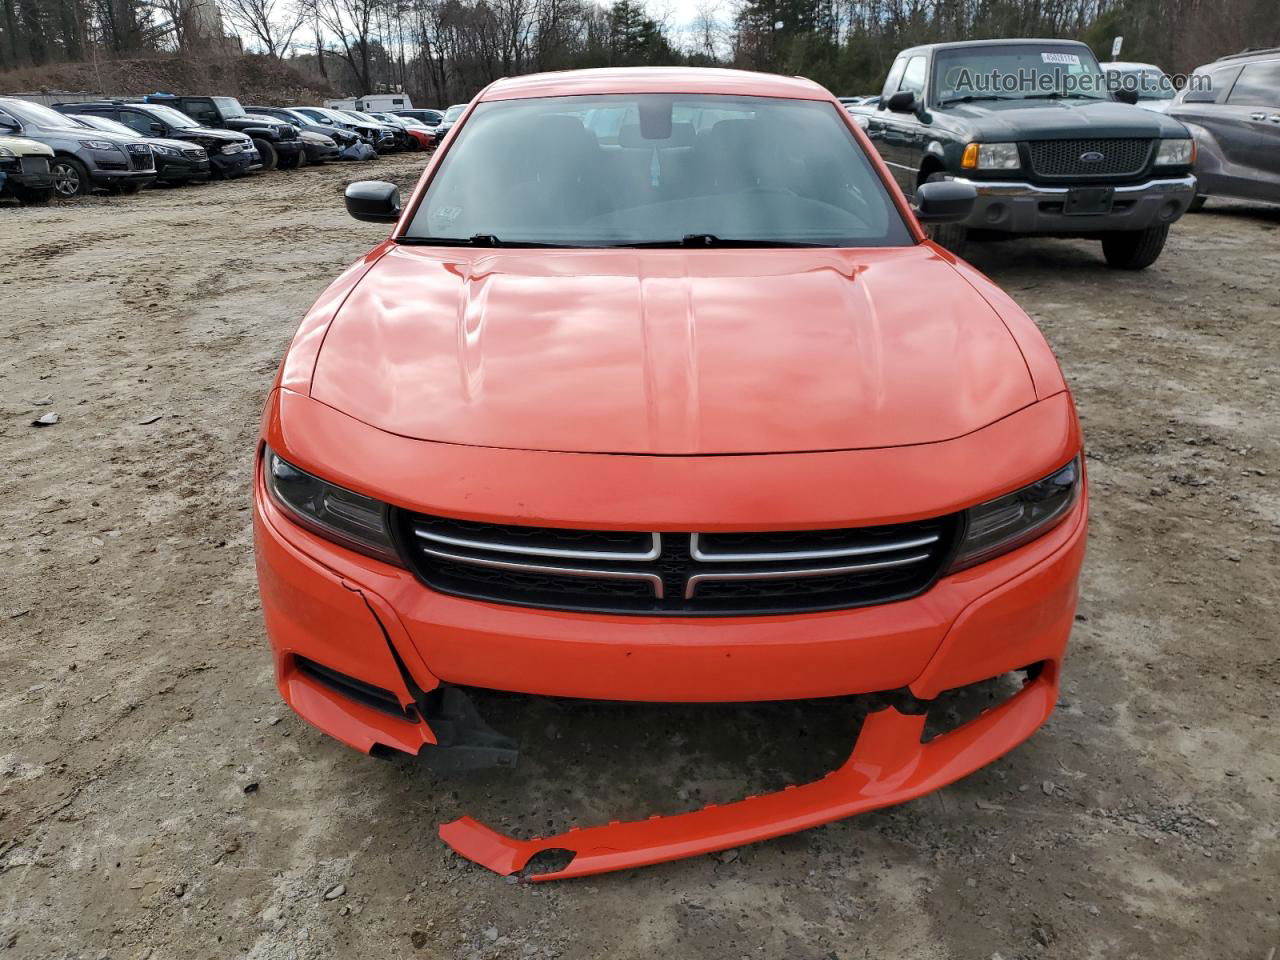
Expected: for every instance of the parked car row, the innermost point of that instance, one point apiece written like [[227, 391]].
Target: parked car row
[[121, 145]]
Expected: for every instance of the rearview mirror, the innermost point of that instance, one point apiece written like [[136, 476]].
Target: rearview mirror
[[944, 201], [904, 101], [374, 200]]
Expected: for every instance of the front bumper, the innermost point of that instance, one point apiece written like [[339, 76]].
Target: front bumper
[[179, 170], [1019, 207], [108, 178], [376, 624]]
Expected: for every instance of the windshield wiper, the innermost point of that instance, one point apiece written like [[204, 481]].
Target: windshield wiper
[[1059, 96], [711, 240], [971, 97], [475, 240]]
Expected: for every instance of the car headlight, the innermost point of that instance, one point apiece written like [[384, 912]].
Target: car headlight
[[99, 145], [1008, 522], [7, 153], [162, 150], [233, 148], [1176, 153], [990, 156], [335, 513]]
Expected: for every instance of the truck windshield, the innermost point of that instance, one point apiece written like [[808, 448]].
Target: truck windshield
[[175, 118], [1017, 72], [657, 170], [229, 107]]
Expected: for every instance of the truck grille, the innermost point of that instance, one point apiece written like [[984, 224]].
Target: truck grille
[[677, 574], [1089, 158], [35, 164]]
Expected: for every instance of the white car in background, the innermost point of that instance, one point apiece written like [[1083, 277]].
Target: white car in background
[[1152, 85]]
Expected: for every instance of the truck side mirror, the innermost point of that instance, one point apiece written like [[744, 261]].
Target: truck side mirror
[[944, 201], [904, 101], [1125, 95], [373, 200]]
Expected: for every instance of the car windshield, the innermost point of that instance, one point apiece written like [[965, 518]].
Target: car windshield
[[1017, 72], [104, 123], [1148, 84], [229, 106], [175, 118], [454, 112], [39, 115], [657, 170]]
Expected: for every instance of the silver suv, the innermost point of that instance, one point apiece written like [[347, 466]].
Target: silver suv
[[1232, 106], [82, 158]]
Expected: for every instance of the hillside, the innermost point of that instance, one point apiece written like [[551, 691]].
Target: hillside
[[247, 76]]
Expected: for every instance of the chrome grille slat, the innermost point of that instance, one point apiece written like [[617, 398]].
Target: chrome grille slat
[[563, 553], [721, 573], [652, 578], [691, 585], [695, 548]]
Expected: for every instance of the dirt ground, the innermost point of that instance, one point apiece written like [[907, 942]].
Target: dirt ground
[[158, 800]]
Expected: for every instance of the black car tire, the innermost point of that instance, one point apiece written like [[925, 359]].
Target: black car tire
[[33, 198], [951, 237], [290, 163], [1197, 203], [70, 177], [1134, 249], [268, 154]]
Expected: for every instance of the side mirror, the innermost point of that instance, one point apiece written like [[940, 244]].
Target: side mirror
[[1126, 96], [904, 101], [944, 201], [374, 200], [157, 129]]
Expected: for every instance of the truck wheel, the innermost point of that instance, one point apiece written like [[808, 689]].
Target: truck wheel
[[1197, 204], [1134, 249], [949, 236], [70, 177], [33, 198], [268, 154]]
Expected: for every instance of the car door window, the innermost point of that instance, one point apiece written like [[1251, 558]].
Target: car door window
[[913, 77], [204, 112], [1257, 86], [895, 77], [136, 121]]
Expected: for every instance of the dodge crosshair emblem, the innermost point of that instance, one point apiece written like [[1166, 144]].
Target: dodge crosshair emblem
[[1092, 156]]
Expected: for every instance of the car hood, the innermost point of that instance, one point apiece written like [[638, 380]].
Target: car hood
[[214, 133], [1063, 120], [670, 351]]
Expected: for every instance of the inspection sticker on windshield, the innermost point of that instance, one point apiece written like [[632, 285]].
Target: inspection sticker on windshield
[[1060, 58]]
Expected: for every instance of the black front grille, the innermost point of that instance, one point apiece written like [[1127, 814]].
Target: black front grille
[[141, 161], [677, 574], [1116, 157], [194, 154], [35, 164]]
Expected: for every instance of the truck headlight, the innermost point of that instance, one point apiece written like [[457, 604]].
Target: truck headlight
[[335, 513], [1176, 153], [233, 148], [1008, 522], [990, 156]]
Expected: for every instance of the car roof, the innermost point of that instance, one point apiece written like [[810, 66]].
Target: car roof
[[1129, 65], [1007, 42], [708, 80]]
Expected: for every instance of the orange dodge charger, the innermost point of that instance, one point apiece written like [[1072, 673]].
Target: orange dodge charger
[[658, 391]]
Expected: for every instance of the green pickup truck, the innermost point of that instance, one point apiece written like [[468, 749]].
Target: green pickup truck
[[1049, 146]]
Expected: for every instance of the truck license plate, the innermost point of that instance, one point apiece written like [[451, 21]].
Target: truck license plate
[[1088, 200]]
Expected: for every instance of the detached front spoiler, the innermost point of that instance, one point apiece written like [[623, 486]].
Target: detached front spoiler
[[888, 765]]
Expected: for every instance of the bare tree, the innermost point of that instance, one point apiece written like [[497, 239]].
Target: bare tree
[[269, 22]]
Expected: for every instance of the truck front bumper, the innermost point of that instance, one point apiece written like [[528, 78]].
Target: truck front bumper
[[1019, 207]]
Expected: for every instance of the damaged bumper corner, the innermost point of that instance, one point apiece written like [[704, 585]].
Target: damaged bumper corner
[[889, 765]]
